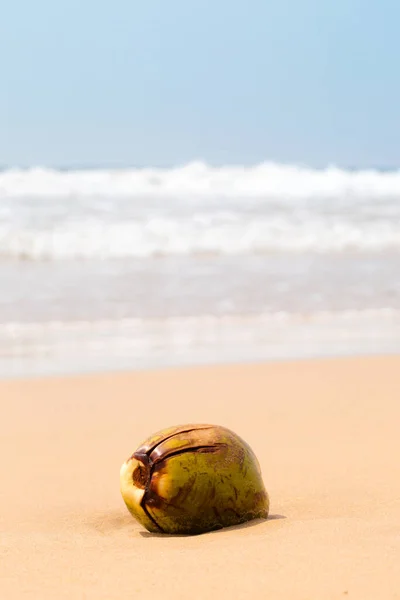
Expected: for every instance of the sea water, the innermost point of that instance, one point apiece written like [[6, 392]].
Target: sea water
[[137, 268]]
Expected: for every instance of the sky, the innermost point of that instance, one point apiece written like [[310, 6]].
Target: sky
[[165, 82]]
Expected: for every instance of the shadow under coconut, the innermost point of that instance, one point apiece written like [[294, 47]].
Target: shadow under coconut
[[248, 524]]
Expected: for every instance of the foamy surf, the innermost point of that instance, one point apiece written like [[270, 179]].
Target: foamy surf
[[199, 179], [197, 209], [276, 255]]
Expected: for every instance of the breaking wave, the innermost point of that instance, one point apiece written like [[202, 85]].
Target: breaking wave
[[268, 208]]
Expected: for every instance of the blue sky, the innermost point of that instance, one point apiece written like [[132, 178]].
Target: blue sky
[[94, 82]]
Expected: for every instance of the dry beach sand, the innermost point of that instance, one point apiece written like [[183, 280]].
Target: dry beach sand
[[326, 433]]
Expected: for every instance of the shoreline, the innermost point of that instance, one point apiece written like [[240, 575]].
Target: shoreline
[[57, 348], [193, 366]]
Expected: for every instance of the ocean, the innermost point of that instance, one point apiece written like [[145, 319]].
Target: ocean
[[140, 268]]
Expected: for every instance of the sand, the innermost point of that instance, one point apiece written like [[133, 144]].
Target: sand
[[326, 433]]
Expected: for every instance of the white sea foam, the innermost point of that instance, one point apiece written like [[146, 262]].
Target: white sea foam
[[266, 179], [41, 348], [49, 214]]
